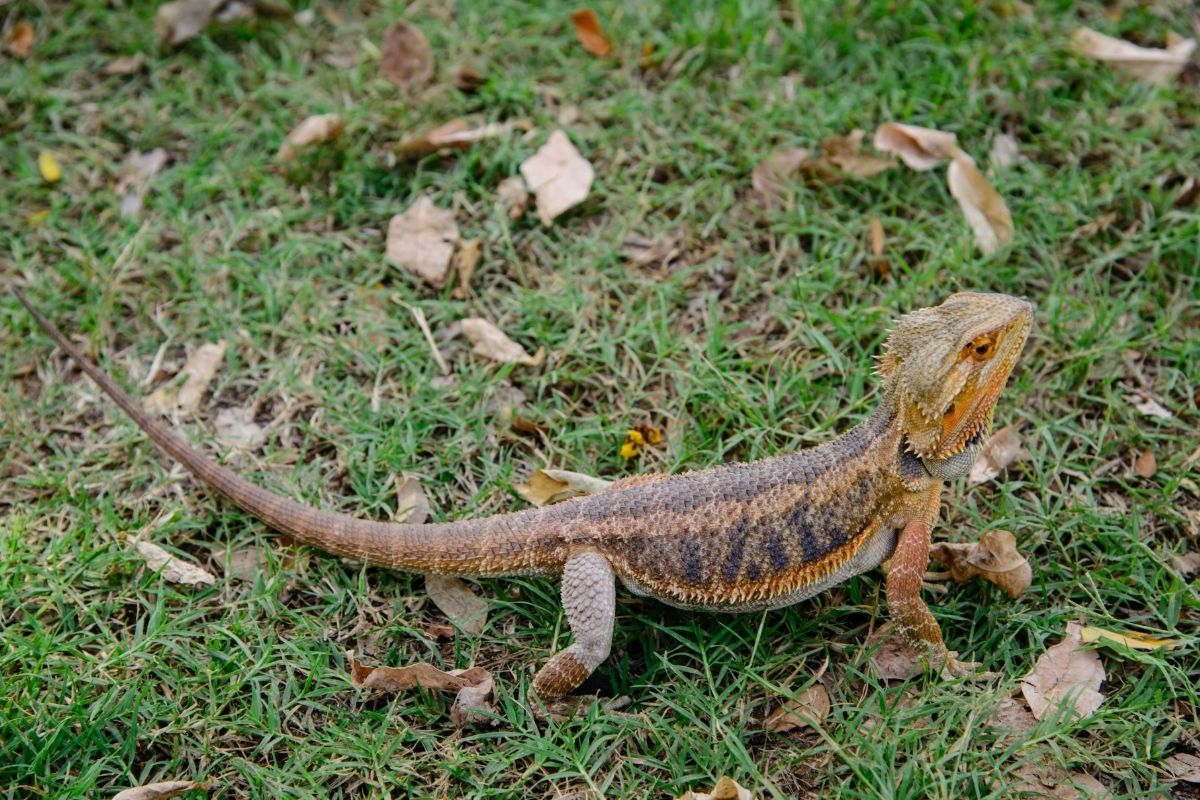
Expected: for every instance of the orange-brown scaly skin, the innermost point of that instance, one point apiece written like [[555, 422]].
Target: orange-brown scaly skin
[[735, 537]]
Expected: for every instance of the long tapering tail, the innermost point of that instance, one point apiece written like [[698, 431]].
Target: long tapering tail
[[497, 545]]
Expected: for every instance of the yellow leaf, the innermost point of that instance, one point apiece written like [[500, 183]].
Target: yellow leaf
[[629, 450], [1131, 639], [48, 166]]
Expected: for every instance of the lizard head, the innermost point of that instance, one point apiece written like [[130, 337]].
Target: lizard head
[[946, 366]]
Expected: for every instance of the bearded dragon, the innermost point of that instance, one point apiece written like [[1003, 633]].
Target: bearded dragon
[[735, 537]]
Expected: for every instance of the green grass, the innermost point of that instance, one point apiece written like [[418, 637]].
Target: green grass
[[758, 341]]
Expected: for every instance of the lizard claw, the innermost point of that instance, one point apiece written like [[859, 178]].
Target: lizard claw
[[953, 668]]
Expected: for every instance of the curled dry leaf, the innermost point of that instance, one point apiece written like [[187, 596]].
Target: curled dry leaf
[[1183, 767], [464, 265], [134, 182], [199, 371], [806, 710], [1005, 151], [844, 154], [769, 176], [894, 659], [1149, 407], [1002, 449], [513, 196], [241, 564], [406, 59], [158, 791], [20, 39], [920, 148], [174, 570], [412, 505], [994, 558], [589, 32], [491, 342], [471, 706], [422, 240], [455, 599], [454, 135], [1065, 676], [180, 20], [1187, 564], [840, 157], [875, 240], [1012, 715], [1044, 779], [1145, 464], [473, 685], [1131, 639], [982, 205], [124, 65], [548, 486], [725, 788], [317, 129], [468, 79], [237, 430], [559, 177], [1149, 64]]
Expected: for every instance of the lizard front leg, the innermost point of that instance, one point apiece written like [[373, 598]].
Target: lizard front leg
[[589, 599], [904, 578]]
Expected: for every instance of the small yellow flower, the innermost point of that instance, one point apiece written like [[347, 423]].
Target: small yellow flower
[[629, 450], [48, 166]]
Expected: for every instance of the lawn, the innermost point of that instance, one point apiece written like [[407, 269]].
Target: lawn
[[757, 338]]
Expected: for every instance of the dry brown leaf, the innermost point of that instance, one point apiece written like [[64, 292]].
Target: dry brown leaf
[[174, 570], [1049, 781], [20, 39], [875, 237], [1012, 715], [464, 265], [412, 505], [894, 659], [461, 606], [473, 685], [1187, 564], [134, 182], [589, 32], [642, 252], [242, 564], [471, 706], [807, 710], [1001, 449], [920, 148], [422, 240], [844, 154], [236, 429], [199, 371], [180, 20], [317, 129], [542, 490], [1145, 464], [513, 196], [1005, 151], [559, 177], [124, 65], [468, 79], [491, 342], [1149, 64], [454, 135], [725, 788], [770, 175], [1065, 676], [994, 558], [1183, 767], [405, 58], [1148, 406], [982, 205], [157, 791], [1131, 639]]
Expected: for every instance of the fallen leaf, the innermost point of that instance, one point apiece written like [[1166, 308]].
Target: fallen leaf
[[1013, 716], [892, 657], [180, 20], [559, 177], [1149, 406], [134, 182], [548, 486], [455, 599], [1065, 676], [422, 240], [1131, 639], [468, 79], [1005, 151], [464, 265], [236, 429], [174, 570], [982, 205], [1187, 564], [589, 32], [1046, 780], [724, 789], [770, 174], [1002, 449], [1145, 464], [317, 129], [454, 135], [412, 505], [471, 704], [242, 564], [406, 59], [641, 251], [124, 65], [994, 558], [199, 371], [513, 196], [1149, 64], [844, 154], [439, 631], [807, 710], [875, 237], [1183, 767], [21, 39], [48, 166], [920, 148], [491, 342], [157, 791]]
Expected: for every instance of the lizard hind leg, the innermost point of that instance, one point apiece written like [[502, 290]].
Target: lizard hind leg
[[589, 600]]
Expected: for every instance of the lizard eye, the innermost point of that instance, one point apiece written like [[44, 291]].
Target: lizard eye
[[980, 349]]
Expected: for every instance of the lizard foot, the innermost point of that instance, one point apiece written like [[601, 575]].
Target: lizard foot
[[953, 668]]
